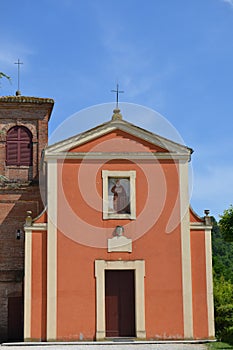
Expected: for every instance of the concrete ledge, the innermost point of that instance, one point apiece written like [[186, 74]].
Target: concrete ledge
[[116, 341]]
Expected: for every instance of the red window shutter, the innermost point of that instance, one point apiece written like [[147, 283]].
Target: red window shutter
[[23, 134], [12, 134], [11, 153], [19, 146], [25, 153]]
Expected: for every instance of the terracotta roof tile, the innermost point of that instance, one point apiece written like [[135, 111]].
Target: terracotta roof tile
[[26, 99]]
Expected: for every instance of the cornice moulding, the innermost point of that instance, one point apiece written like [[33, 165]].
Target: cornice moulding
[[199, 226], [118, 155], [36, 227], [101, 130]]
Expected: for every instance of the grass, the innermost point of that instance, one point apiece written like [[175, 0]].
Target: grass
[[220, 346]]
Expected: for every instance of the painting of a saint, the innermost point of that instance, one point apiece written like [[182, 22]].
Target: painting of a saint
[[119, 195]]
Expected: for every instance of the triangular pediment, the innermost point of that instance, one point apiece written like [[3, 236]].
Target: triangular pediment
[[73, 144]]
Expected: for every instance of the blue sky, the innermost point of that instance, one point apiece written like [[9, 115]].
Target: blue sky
[[175, 57]]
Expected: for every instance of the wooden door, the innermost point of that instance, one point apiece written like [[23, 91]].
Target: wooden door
[[120, 303], [15, 319]]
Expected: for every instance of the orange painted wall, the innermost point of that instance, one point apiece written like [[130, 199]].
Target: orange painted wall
[[122, 139], [200, 317], [194, 217], [39, 285], [80, 219]]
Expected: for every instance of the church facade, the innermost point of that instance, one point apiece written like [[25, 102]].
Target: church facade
[[118, 252]]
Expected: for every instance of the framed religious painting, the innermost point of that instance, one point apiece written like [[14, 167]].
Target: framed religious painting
[[119, 195]]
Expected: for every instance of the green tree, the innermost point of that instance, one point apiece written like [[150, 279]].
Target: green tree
[[223, 305], [3, 75], [226, 224], [223, 282], [222, 254]]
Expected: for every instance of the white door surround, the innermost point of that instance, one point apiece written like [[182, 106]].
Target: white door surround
[[139, 267]]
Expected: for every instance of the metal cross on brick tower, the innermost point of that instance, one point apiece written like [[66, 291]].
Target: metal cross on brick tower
[[117, 94], [18, 93]]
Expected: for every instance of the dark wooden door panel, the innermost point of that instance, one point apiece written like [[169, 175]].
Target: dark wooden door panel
[[15, 319], [120, 303], [127, 304], [112, 316]]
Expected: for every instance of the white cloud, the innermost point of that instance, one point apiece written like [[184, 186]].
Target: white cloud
[[11, 51], [215, 181], [126, 59], [230, 2], [213, 187]]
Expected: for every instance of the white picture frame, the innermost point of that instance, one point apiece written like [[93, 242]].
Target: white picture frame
[[119, 194]]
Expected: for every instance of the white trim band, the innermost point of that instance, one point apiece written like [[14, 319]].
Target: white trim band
[[200, 226], [36, 227], [119, 155]]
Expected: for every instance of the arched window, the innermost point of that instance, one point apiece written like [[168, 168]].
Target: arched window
[[19, 146]]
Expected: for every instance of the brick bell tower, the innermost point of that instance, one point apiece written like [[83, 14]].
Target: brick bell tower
[[23, 136]]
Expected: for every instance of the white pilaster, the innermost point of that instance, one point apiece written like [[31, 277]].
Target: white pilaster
[[52, 252], [209, 283], [186, 251], [28, 284]]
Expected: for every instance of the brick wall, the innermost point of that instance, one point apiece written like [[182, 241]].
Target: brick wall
[[13, 206], [8, 287], [19, 192], [34, 116]]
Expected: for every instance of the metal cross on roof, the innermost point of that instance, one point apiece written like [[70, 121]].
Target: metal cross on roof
[[18, 63], [117, 94]]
